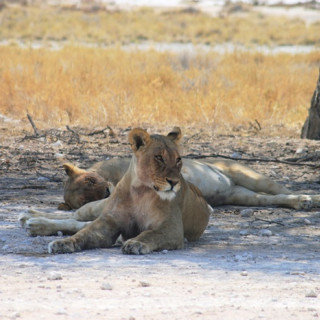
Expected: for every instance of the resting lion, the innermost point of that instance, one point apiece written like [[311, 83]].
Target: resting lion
[[220, 182], [152, 207]]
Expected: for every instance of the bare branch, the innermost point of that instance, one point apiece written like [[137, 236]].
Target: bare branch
[[111, 132], [76, 134], [213, 155], [36, 132]]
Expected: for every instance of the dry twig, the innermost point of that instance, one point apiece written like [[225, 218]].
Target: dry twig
[[102, 131], [36, 132], [213, 155], [76, 134], [269, 221]]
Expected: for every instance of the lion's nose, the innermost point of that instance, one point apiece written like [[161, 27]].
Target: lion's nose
[[172, 182]]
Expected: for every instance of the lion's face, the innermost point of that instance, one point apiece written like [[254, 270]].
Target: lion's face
[[158, 163], [83, 187]]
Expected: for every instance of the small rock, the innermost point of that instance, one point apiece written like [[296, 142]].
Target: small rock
[[60, 234], [59, 155], [301, 151], [43, 179], [246, 213], [54, 276], [265, 233], [237, 258], [311, 294], [244, 273], [106, 286], [236, 155], [164, 251], [61, 312], [15, 315], [307, 221], [144, 284], [58, 143], [243, 233]]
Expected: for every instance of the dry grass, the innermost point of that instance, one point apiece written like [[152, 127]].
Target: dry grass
[[95, 87], [32, 23]]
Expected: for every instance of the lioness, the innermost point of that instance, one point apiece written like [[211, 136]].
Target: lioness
[[221, 182], [152, 206]]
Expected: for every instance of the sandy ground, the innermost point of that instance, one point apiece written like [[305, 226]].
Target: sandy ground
[[261, 263]]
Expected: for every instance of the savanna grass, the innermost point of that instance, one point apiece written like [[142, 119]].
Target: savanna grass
[[95, 87]]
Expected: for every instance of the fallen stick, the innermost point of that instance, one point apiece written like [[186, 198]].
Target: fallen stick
[[102, 131], [74, 132], [196, 156], [36, 132]]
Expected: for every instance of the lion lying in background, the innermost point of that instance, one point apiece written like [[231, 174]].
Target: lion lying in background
[[220, 182]]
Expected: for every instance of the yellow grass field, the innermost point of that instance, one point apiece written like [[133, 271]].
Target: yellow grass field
[[95, 87]]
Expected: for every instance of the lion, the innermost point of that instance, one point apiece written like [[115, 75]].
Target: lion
[[221, 182], [152, 206]]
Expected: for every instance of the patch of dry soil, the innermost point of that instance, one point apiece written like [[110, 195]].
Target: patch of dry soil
[[258, 263]]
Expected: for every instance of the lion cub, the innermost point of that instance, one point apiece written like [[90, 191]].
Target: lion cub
[[152, 207]]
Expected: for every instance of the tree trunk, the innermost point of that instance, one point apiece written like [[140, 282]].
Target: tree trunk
[[311, 127]]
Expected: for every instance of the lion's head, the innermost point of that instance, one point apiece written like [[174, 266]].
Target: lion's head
[[82, 187], [158, 162]]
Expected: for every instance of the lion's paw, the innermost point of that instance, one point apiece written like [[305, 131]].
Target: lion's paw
[[23, 218], [304, 202], [61, 246], [132, 246], [39, 227], [316, 201]]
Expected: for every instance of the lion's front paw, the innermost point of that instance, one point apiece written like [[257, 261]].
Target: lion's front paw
[[304, 203], [39, 227], [135, 247], [23, 218], [61, 246], [316, 201]]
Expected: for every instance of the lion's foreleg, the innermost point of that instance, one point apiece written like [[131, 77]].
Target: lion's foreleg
[[101, 233], [169, 237], [25, 216], [47, 227]]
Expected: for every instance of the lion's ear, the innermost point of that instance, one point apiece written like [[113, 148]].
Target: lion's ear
[[72, 170], [175, 134], [138, 138]]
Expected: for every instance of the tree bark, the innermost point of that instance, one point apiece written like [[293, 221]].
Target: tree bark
[[311, 127]]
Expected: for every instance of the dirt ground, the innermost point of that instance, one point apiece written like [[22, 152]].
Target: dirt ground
[[260, 263]]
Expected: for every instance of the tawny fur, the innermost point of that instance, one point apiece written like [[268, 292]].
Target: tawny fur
[[137, 209]]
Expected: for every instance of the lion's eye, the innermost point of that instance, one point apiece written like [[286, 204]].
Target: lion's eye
[[159, 158], [178, 161]]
